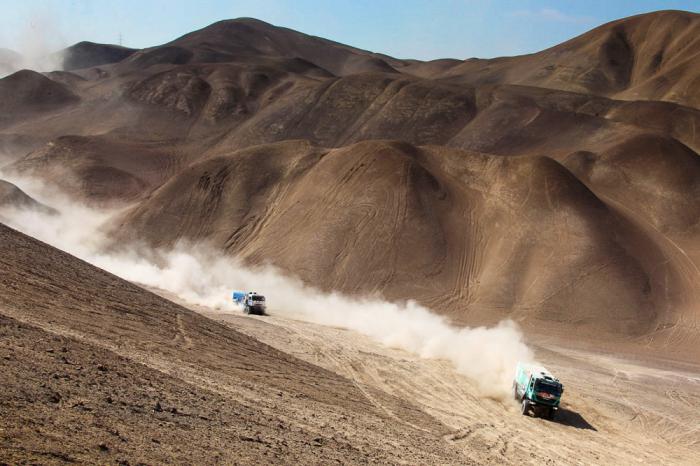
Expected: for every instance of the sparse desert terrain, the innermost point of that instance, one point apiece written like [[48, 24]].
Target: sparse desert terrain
[[97, 370], [557, 189]]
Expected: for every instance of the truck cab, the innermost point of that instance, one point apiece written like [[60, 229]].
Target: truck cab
[[537, 390], [254, 304]]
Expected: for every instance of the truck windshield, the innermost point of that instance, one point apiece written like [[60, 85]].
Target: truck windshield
[[552, 389], [258, 298]]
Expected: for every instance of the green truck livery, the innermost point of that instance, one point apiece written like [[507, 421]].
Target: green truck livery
[[537, 390]]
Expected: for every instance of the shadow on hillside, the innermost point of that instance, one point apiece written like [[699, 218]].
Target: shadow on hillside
[[573, 419]]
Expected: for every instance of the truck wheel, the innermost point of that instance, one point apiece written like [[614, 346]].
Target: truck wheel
[[246, 310], [525, 407], [551, 413]]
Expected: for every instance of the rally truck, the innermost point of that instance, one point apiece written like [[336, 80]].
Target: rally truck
[[250, 301], [537, 390]]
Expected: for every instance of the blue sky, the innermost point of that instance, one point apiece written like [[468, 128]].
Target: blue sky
[[406, 29]]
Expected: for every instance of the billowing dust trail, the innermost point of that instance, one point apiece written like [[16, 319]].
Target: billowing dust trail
[[616, 411]]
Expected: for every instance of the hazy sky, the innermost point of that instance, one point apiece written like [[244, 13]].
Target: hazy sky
[[403, 28]]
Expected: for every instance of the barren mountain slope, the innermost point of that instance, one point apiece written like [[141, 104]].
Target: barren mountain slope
[[88, 54], [27, 91], [13, 197], [100, 169], [473, 236], [648, 57], [105, 371], [229, 40], [575, 209]]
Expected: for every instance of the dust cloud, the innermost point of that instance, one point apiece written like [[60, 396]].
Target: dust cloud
[[199, 275], [37, 45]]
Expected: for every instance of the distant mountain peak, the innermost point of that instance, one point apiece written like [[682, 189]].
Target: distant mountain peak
[[86, 54]]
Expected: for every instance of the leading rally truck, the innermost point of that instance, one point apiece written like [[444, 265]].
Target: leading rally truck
[[537, 390], [252, 302]]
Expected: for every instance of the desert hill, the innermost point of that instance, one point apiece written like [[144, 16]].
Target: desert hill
[[117, 373], [646, 57], [88, 54], [228, 41], [13, 197], [558, 188], [476, 236], [98, 168], [27, 90]]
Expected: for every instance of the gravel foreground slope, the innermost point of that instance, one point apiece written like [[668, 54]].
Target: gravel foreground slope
[[97, 370]]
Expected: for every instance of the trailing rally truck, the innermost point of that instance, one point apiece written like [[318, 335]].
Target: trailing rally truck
[[252, 302], [537, 390]]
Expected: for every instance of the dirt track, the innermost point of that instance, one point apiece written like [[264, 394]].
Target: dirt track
[[616, 411]]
